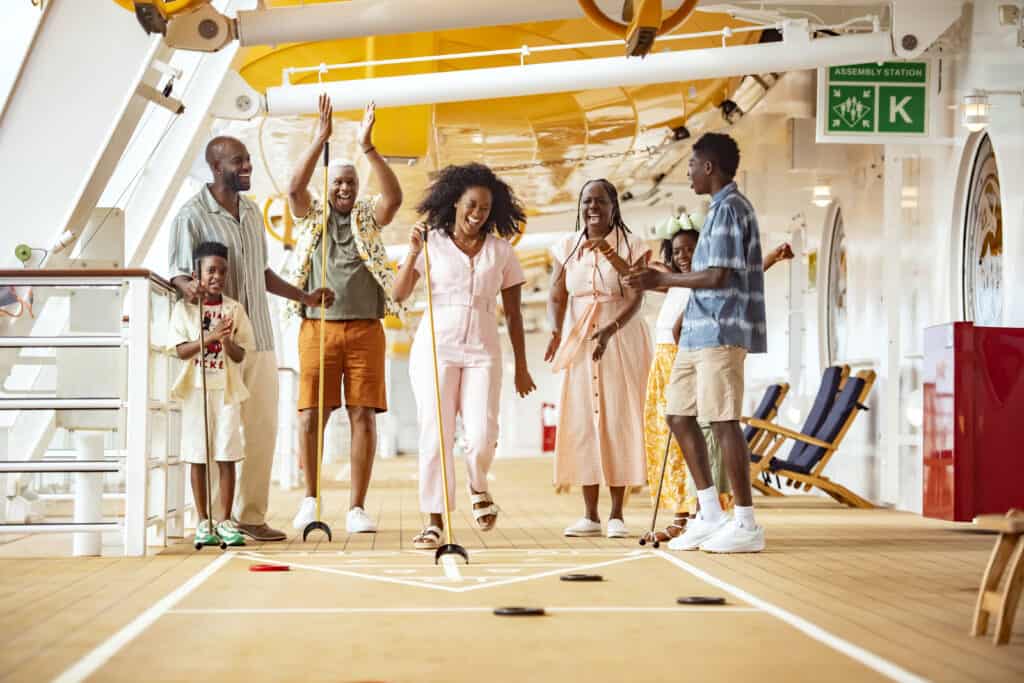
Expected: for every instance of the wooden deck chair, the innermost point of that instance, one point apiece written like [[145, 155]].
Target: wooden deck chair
[[766, 410], [811, 452], [765, 443]]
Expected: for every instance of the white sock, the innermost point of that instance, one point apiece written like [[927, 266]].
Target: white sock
[[744, 516], [710, 507]]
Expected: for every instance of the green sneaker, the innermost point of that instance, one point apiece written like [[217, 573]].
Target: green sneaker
[[204, 535], [229, 533]]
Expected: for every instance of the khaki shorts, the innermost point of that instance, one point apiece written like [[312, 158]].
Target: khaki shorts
[[354, 355], [707, 384]]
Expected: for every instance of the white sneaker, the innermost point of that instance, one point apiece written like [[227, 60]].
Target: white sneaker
[[617, 529], [305, 515], [583, 527], [697, 531], [358, 522], [733, 538]]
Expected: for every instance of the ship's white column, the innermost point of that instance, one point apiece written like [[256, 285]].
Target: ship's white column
[[88, 494]]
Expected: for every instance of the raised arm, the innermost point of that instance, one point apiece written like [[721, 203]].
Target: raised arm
[[298, 187], [390, 190]]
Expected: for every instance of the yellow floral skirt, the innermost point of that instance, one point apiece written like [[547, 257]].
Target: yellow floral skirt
[[678, 493]]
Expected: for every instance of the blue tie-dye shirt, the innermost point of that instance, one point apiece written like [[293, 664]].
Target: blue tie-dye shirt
[[733, 315]]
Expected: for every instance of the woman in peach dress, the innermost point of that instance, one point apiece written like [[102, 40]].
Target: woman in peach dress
[[603, 350]]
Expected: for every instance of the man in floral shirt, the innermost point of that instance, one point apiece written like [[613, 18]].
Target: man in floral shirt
[[360, 276]]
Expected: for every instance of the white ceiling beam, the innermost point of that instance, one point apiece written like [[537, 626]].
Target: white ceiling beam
[[797, 51], [337, 20]]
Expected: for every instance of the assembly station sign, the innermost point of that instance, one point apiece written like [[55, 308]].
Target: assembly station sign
[[874, 102]]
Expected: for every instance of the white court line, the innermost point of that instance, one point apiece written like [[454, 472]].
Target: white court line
[[366, 554], [91, 663], [451, 568], [342, 572], [419, 583], [489, 565], [438, 610], [868, 659], [553, 572]]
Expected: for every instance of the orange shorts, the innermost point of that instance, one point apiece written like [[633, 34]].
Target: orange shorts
[[353, 354]]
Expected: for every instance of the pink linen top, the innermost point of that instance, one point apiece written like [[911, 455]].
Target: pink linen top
[[465, 294]]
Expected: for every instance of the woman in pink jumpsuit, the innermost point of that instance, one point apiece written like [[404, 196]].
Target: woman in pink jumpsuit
[[603, 350], [469, 214]]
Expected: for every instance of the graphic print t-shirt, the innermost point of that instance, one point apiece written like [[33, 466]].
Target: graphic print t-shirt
[[213, 355]]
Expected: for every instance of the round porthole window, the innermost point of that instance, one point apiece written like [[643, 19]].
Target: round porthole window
[[983, 241], [837, 302]]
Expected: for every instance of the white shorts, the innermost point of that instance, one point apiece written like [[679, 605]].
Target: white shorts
[[225, 428]]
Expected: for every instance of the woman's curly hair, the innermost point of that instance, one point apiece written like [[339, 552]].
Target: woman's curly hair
[[451, 182]]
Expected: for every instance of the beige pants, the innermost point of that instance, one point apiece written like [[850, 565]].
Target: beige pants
[[259, 425]]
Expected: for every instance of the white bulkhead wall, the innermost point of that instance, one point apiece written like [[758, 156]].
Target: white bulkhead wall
[[68, 119], [881, 457]]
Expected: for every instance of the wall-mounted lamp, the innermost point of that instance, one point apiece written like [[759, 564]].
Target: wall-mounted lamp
[[976, 107], [908, 197], [822, 195], [976, 116]]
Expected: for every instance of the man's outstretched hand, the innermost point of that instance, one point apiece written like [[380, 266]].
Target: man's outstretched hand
[[644, 277]]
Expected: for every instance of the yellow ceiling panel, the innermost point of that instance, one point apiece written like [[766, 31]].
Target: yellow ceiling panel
[[536, 142]]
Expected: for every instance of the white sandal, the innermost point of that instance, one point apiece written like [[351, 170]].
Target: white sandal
[[428, 539], [481, 512]]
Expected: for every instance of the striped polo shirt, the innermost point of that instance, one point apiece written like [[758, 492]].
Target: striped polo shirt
[[733, 315], [203, 219]]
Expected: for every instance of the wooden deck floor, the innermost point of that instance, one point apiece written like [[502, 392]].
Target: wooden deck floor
[[838, 595]]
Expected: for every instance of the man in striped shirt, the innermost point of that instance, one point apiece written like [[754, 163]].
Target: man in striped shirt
[[218, 213], [723, 322]]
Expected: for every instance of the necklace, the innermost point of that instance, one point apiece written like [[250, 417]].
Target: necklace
[[470, 246]]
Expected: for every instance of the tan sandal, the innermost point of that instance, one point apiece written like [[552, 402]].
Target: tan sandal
[[667, 534], [428, 539], [487, 510]]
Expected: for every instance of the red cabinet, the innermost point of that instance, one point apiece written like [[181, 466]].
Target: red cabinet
[[973, 421]]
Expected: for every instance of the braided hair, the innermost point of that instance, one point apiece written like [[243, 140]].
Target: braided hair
[[451, 182], [616, 223]]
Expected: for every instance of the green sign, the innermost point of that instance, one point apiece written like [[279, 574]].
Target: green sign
[[888, 72], [888, 98]]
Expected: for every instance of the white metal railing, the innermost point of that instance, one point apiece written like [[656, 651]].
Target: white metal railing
[[145, 420], [79, 342], [60, 466], [523, 52]]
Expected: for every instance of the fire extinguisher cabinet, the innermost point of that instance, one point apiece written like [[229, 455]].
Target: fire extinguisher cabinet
[[548, 425], [973, 421]]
